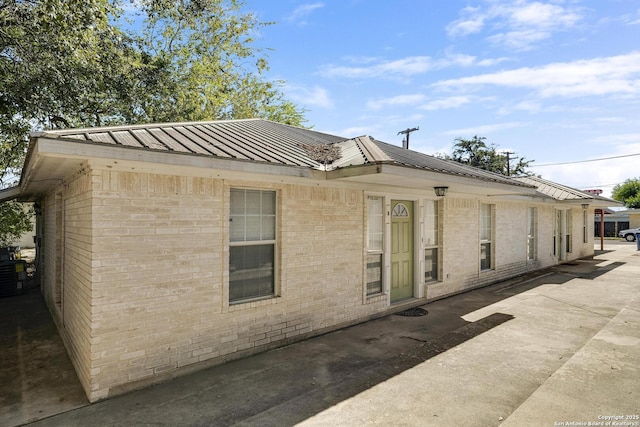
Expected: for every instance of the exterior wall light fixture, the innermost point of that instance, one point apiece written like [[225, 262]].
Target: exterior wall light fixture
[[585, 206], [441, 191]]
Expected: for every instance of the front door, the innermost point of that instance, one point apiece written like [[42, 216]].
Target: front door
[[401, 250]]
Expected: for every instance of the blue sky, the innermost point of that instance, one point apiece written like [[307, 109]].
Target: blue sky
[[553, 81]]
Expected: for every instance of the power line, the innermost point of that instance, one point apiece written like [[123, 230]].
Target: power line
[[584, 161]]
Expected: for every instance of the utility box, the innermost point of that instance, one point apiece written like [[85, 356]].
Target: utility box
[[13, 277]]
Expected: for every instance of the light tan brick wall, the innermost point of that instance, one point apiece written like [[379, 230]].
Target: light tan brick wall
[[461, 247], [160, 264], [146, 261], [581, 248], [66, 280]]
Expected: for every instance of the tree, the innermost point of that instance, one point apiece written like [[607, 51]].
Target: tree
[[628, 193], [475, 152], [77, 63], [15, 222]]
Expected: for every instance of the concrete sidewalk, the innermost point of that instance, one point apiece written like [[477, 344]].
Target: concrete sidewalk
[[560, 347], [571, 353]]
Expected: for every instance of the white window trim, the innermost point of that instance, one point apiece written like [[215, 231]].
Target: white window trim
[[534, 237], [491, 241], [437, 244], [275, 294], [380, 251]]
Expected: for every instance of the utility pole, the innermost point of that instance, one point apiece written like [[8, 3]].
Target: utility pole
[[508, 154], [405, 140]]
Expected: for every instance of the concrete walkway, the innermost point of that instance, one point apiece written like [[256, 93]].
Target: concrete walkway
[[544, 350], [571, 353]]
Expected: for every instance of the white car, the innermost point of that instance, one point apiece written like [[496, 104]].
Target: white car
[[630, 234]]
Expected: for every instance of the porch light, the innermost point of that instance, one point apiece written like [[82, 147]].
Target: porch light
[[585, 206], [441, 191]]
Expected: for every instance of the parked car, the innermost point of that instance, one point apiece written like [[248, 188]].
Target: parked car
[[630, 234]]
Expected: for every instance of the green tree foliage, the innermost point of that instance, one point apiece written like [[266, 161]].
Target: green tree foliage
[[16, 221], [77, 63], [475, 152], [628, 193]]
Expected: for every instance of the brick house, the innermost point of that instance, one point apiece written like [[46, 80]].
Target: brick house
[[171, 247]]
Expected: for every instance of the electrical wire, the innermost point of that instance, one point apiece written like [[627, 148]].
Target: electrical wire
[[583, 161]]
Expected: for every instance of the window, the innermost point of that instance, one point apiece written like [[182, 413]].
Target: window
[[252, 240], [531, 233], [569, 231], [585, 227], [430, 240], [375, 232], [486, 237], [400, 211]]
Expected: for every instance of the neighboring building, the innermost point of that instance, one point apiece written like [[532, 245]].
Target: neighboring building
[[613, 222], [167, 248]]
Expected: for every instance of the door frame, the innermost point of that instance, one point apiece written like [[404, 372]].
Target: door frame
[[418, 249], [417, 239], [560, 228], [412, 220]]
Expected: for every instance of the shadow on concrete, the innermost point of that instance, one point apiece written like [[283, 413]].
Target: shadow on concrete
[[284, 386], [36, 376], [603, 252]]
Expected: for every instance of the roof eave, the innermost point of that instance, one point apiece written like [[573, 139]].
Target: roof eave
[[406, 176], [11, 193], [65, 157]]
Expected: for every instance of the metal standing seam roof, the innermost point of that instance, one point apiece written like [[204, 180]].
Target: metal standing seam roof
[[416, 159], [261, 140], [555, 190], [248, 139]]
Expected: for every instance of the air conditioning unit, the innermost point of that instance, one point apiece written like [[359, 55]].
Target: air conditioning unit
[[13, 277]]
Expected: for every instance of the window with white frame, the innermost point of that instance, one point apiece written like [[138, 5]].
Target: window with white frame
[[252, 244], [585, 227], [375, 233], [431, 240], [569, 231], [532, 219], [486, 237]]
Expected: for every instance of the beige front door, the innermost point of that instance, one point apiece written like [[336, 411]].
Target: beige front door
[[401, 250]]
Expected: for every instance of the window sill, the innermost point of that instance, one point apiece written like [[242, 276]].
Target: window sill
[[375, 298], [253, 303], [377, 294]]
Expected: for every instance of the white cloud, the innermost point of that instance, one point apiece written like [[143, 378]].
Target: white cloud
[[519, 40], [518, 24], [484, 129], [625, 143], [541, 15], [603, 174], [309, 96], [446, 103], [377, 104], [401, 67], [354, 131], [473, 23], [615, 75], [302, 11], [404, 67]]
